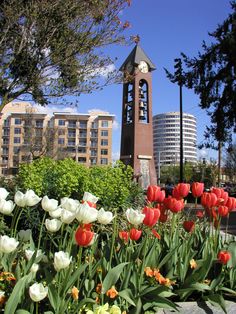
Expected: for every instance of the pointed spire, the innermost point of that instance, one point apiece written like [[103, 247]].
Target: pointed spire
[[137, 55]]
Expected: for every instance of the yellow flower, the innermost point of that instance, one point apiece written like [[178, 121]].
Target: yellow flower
[[103, 309], [115, 310], [193, 264]]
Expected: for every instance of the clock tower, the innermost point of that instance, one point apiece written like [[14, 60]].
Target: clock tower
[[137, 133]]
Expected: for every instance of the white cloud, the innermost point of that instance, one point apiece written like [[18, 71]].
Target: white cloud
[[115, 125], [50, 109], [115, 156]]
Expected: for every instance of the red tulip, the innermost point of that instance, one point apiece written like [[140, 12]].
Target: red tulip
[[167, 201], [151, 216], [84, 236], [223, 210], [124, 235], [197, 189], [163, 217], [217, 191], [208, 199], [135, 234], [223, 257], [156, 234], [152, 191], [231, 203], [181, 190], [223, 199], [94, 205], [189, 226], [160, 196], [176, 205]]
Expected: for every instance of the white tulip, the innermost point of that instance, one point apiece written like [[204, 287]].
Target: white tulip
[[49, 204], [6, 207], [27, 199], [30, 253], [3, 193], [61, 260], [86, 214], [69, 204], [19, 199], [31, 198], [56, 213], [67, 217], [104, 217], [134, 216], [53, 225], [38, 292], [25, 235], [8, 245], [88, 197], [34, 268]]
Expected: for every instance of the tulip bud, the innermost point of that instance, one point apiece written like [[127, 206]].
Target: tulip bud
[[53, 225], [223, 210], [86, 214], [7, 245], [124, 235], [151, 216], [6, 207], [152, 193], [223, 257], [84, 236], [197, 189], [231, 203], [189, 226], [61, 260], [3, 193], [38, 292], [135, 234]]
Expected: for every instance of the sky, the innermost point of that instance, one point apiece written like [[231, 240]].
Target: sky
[[166, 28]]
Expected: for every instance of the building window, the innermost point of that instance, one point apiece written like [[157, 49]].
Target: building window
[[17, 121], [94, 143], [104, 142], [82, 159], [17, 131], [104, 133], [72, 124], [104, 161], [71, 142], [5, 141], [61, 141], [94, 125], [5, 151], [4, 159], [93, 161], [39, 123], [82, 150], [16, 140], [105, 124], [61, 132], [61, 122], [4, 171], [83, 124], [16, 149], [104, 152], [93, 152]]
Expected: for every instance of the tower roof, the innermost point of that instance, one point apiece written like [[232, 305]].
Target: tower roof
[[137, 55]]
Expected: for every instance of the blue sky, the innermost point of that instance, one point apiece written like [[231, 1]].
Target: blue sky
[[166, 28]]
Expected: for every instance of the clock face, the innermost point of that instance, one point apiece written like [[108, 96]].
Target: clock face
[[129, 67], [143, 67]]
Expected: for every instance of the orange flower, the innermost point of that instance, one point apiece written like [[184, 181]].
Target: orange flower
[[112, 293], [148, 272], [193, 264], [99, 288], [75, 293], [162, 280]]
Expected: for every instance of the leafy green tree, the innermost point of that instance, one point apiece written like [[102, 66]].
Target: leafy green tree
[[212, 75], [55, 48]]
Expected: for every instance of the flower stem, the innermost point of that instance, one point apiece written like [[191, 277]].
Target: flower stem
[[15, 221], [113, 240], [41, 231]]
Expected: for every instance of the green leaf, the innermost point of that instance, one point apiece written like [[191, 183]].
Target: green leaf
[[127, 295], [232, 251], [166, 258], [228, 290], [53, 296], [17, 294], [216, 299], [160, 302], [75, 276], [22, 312], [112, 277]]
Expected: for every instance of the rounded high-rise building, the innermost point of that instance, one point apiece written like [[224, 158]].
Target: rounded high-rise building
[[166, 138]]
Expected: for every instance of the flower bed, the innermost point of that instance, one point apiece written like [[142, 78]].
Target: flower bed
[[78, 258]]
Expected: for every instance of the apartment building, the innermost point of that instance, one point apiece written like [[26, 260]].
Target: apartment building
[[27, 134], [166, 138]]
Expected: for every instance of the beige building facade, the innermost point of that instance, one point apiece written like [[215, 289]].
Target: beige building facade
[[27, 134]]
